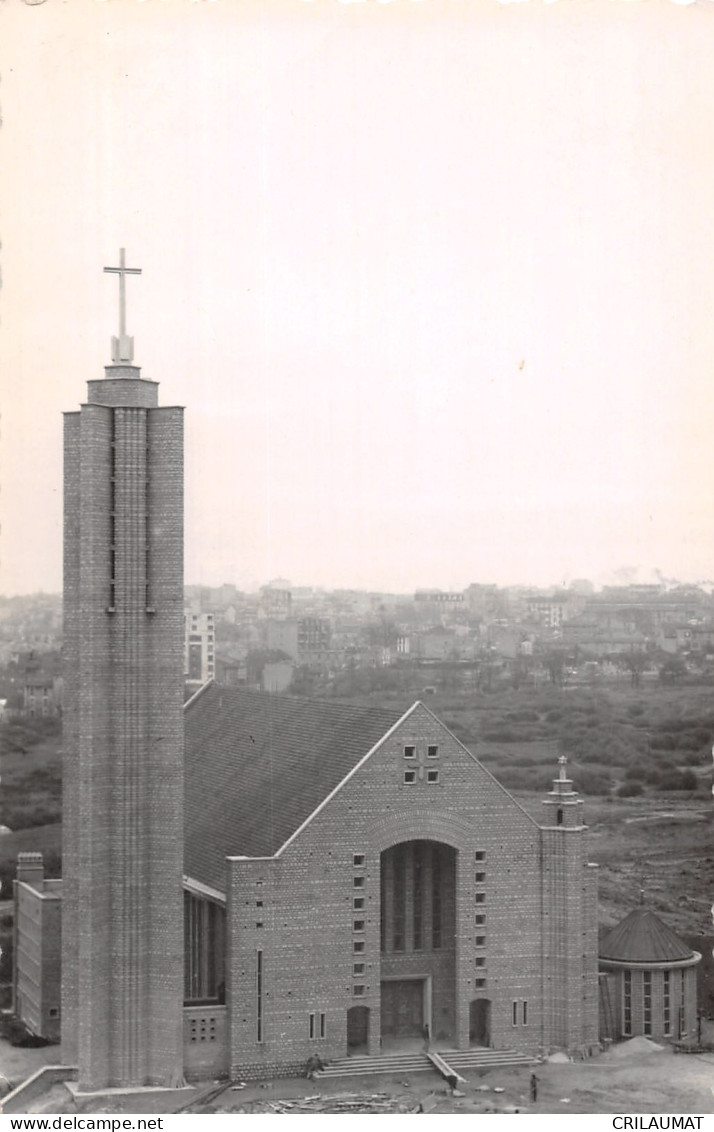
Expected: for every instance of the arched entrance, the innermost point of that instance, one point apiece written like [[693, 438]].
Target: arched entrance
[[480, 1022], [418, 943], [357, 1029]]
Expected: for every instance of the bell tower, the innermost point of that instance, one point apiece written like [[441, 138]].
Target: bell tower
[[122, 929], [569, 902]]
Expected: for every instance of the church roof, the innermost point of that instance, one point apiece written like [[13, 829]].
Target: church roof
[[642, 938], [257, 765]]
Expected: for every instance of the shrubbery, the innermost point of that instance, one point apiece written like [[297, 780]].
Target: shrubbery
[[630, 790]]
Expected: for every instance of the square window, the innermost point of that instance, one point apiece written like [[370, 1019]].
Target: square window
[[479, 919], [259, 903], [432, 776], [480, 961], [479, 855], [480, 897], [409, 777], [358, 860], [358, 990], [480, 940], [358, 968], [358, 882], [358, 925], [410, 752], [479, 982], [358, 945], [358, 903], [432, 752], [480, 878], [258, 923]]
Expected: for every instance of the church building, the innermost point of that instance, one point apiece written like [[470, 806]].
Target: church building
[[253, 879]]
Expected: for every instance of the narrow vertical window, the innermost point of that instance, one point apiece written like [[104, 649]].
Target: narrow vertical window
[[514, 1012], [666, 1006], [627, 1004], [524, 1012], [383, 904], [112, 512], [436, 899], [260, 995], [312, 1027], [399, 900], [323, 1025], [417, 898], [647, 1002]]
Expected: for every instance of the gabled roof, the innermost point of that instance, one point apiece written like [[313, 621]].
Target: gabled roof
[[258, 765], [642, 938]]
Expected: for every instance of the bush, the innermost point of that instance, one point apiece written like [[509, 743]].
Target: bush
[[630, 790], [678, 780], [636, 772]]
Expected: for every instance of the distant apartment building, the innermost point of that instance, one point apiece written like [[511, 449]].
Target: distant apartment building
[[305, 640], [41, 695], [438, 597], [275, 603], [199, 647], [550, 611]]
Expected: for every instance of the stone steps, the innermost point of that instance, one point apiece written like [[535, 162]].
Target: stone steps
[[361, 1066]]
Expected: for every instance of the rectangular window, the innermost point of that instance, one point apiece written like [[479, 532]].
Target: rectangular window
[[409, 777], [480, 878], [480, 897], [358, 882], [358, 903], [480, 960], [647, 1002], [432, 752], [666, 1010], [323, 1025], [480, 940], [479, 919], [514, 1017], [358, 990], [627, 1005], [358, 860], [524, 1008], [358, 945], [432, 776], [311, 1028], [358, 925], [259, 988], [479, 855], [682, 1003], [479, 982], [358, 968], [410, 752]]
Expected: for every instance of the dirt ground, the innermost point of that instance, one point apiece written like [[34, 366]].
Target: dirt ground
[[614, 1082]]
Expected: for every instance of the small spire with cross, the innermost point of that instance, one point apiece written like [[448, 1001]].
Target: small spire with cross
[[562, 763], [123, 346]]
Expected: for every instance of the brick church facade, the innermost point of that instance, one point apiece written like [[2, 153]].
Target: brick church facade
[[372, 879]]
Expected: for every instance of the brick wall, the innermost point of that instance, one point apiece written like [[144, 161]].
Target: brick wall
[[123, 728], [307, 957]]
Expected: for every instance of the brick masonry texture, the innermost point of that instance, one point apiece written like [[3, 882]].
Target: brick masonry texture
[[540, 946], [122, 1018]]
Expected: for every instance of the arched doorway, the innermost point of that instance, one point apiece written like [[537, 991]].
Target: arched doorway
[[418, 943], [357, 1029], [480, 1022]]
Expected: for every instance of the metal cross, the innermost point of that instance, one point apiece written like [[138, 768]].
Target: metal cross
[[123, 346]]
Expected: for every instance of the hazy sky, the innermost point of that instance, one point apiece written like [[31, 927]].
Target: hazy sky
[[434, 281]]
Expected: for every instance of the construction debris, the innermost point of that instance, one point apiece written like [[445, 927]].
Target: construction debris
[[349, 1103]]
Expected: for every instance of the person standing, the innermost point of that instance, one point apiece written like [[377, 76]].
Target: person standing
[[534, 1088]]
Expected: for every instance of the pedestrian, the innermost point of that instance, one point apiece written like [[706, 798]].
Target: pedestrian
[[426, 1036], [534, 1088]]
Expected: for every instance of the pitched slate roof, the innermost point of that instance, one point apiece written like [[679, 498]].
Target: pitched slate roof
[[642, 938], [257, 765]]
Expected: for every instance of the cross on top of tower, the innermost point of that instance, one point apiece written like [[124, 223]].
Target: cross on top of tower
[[123, 346], [562, 763]]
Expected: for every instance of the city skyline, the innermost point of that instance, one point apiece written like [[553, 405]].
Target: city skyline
[[433, 281]]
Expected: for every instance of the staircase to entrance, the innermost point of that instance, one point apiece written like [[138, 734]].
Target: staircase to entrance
[[418, 1062]]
